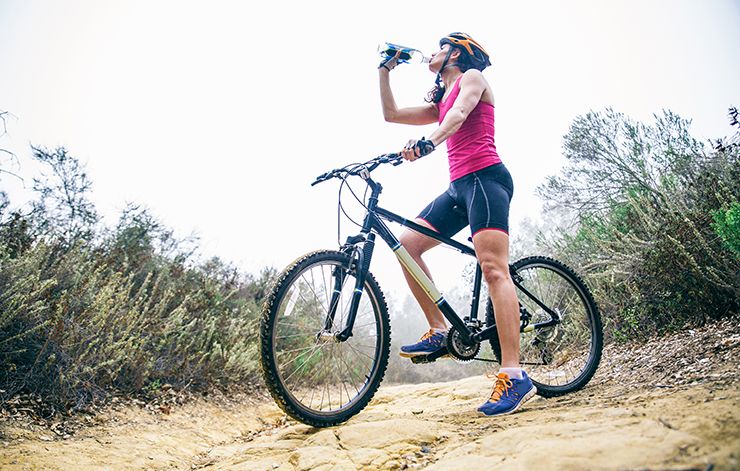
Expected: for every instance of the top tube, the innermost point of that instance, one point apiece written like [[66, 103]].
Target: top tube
[[466, 249]]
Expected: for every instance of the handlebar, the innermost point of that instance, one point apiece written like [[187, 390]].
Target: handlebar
[[357, 168]]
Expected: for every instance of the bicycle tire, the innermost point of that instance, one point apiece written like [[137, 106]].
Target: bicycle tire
[[275, 307], [574, 292]]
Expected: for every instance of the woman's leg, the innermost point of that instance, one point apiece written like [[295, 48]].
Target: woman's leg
[[492, 250], [416, 244], [513, 387]]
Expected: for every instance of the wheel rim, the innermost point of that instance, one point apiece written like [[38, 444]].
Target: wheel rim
[[320, 375], [555, 356]]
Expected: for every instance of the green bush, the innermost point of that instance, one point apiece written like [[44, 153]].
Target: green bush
[[646, 223], [86, 310], [727, 225]]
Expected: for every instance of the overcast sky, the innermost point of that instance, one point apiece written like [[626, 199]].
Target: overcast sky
[[217, 115]]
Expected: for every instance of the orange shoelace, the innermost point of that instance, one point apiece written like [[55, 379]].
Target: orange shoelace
[[427, 335], [503, 383]]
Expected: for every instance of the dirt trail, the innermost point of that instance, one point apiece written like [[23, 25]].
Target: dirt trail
[[683, 417]]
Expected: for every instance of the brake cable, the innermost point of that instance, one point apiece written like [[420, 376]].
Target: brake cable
[[350, 170]]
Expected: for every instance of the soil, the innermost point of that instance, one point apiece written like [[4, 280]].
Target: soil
[[668, 403]]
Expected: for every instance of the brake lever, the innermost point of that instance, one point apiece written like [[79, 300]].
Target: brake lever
[[394, 159]]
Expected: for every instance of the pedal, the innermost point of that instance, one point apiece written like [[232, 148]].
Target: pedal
[[431, 358]]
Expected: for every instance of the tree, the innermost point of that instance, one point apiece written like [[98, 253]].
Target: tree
[[63, 210], [14, 226], [4, 200]]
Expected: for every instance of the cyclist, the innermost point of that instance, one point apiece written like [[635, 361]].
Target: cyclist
[[478, 196]]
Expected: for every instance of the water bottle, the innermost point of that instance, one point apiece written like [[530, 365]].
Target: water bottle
[[408, 54]]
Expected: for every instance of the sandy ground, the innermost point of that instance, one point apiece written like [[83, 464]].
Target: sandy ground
[[414, 426], [667, 405]]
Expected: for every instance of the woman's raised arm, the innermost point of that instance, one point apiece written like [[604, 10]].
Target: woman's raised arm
[[425, 114]]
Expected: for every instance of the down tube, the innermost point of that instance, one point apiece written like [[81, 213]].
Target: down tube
[[421, 278]]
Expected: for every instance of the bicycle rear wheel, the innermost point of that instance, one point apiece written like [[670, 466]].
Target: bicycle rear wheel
[[312, 377], [561, 357]]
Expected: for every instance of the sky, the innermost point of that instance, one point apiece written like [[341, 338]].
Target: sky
[[217, 115]]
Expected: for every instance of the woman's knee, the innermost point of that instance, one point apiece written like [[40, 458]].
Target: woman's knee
[[492, 249], [494, 273], [414, 243]]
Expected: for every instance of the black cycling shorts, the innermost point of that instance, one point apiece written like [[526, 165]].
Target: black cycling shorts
[[480, 199]]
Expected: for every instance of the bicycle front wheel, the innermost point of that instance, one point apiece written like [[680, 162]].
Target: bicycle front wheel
[[313, 377], [560, 350]]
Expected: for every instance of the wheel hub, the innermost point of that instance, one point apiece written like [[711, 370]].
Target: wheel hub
[[326, 337]]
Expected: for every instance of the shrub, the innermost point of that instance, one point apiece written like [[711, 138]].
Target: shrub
[[727, 225], [85, 310], [648, 228]]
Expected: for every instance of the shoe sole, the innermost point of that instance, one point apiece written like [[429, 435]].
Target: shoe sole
[[530, 394], [418, 354]]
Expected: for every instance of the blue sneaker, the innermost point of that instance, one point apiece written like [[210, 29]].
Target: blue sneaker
[[508, 395], [431, 342]]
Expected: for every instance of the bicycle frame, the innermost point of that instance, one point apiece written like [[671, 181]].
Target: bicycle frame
[[372, 225]]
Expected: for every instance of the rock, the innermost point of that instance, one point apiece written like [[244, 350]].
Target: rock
[[385, 433]]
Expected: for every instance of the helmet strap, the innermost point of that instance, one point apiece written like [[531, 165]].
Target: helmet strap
[[438, 80]]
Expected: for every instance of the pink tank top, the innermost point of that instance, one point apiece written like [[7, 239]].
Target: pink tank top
[[472, 147]]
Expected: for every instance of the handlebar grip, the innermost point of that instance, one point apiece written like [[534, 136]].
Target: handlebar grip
[[354, 169], [321, 178]]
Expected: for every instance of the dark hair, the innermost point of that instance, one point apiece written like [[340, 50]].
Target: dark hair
[[435, 94], [464, 62]]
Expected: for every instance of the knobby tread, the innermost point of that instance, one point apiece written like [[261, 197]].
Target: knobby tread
[[267, 364], [598, 336]]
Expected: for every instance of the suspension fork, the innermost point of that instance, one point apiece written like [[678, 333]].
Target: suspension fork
[[338, 275], [364, 257], [362, 265]]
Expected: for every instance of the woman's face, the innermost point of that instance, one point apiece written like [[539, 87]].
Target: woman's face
[[435, 64]]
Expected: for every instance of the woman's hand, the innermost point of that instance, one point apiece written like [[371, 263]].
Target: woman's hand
[[415, 149], [390, 63], [409, 151]]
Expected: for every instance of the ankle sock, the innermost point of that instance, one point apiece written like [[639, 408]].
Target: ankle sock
[[514, 373]]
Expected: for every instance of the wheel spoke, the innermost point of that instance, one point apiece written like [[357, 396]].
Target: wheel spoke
[[313, 372], [559, 356]]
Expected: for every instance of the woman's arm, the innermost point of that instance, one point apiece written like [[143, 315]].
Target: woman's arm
[[424, 114], [472, 86]]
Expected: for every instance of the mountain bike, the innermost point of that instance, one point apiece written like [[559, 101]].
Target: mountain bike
[[325, 330]]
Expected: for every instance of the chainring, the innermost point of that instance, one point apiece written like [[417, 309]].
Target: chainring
[[458, 350]]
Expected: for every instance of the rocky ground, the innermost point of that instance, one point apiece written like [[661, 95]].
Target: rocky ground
[[670, 403]]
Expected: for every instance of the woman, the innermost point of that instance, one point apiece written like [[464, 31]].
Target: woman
[[479, 195]]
